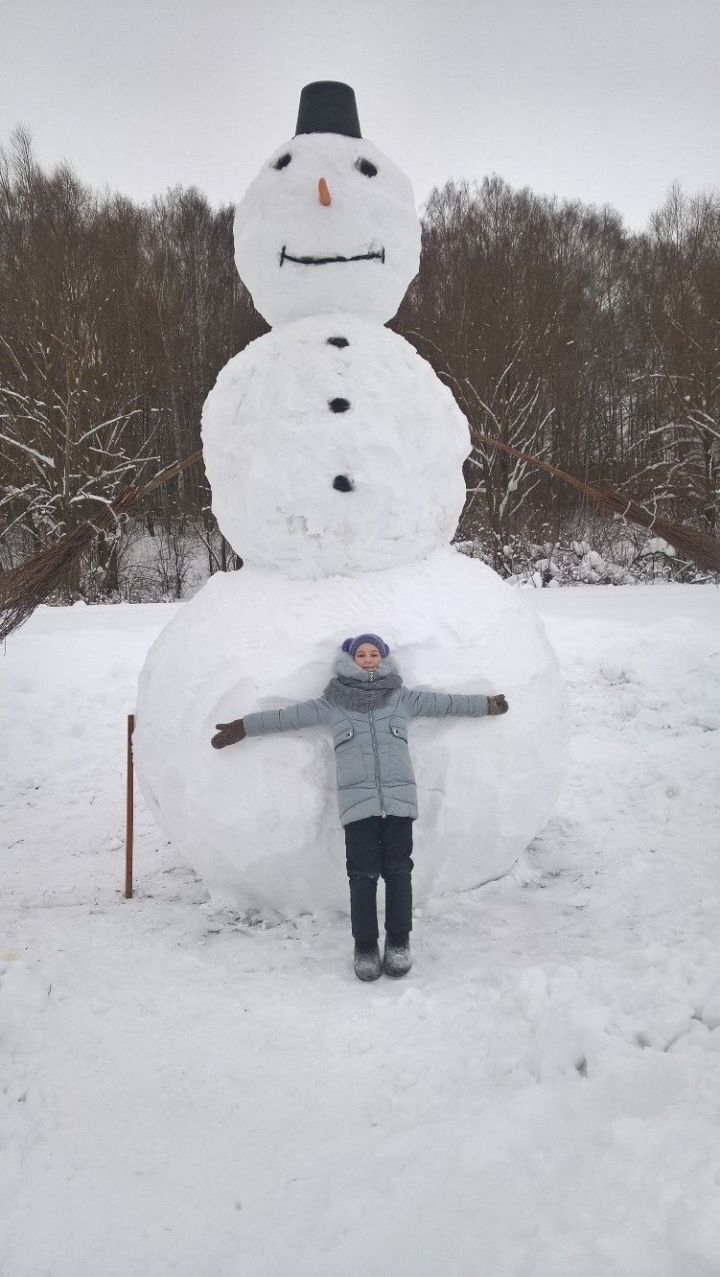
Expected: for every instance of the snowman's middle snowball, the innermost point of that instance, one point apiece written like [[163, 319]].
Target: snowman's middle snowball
[[327, 458]]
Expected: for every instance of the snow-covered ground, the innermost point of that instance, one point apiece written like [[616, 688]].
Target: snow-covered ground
[[193, 1093]]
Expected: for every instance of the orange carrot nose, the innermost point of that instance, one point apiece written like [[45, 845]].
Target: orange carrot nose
[[323, 193]]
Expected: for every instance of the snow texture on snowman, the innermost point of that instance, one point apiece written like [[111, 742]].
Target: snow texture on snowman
[[335, 459]]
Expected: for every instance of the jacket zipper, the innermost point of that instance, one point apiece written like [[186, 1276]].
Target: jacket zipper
[[375, 752]]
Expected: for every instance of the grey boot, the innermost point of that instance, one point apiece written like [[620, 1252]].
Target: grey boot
[[397, 960], [367, 962]]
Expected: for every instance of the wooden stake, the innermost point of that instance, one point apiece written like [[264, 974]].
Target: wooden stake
[[129, 811]]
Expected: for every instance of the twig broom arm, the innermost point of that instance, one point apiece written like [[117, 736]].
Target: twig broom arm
[[699, 547], [25, 588]]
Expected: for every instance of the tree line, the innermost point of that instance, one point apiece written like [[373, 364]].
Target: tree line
[[558, 331]]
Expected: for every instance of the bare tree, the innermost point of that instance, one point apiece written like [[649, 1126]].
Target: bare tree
[[62, 456], [679, 455]]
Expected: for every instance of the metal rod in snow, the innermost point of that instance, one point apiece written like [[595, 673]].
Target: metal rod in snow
[[129, 813]]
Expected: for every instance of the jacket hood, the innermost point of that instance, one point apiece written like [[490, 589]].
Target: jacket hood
[[345, 666]]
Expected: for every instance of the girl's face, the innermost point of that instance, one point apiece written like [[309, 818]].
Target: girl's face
[[367, 656]]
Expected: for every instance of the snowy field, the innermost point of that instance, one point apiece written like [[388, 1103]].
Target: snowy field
[[194, 1093]]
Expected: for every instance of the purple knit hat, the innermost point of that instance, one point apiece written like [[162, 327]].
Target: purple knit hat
[[351, 645]]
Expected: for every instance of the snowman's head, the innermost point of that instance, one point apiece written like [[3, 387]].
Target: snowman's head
[[329, 223]]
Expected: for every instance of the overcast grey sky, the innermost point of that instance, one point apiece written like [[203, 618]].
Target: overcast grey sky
[[606, 101]]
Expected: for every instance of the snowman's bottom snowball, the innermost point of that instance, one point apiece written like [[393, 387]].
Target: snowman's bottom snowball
[[258, 820]]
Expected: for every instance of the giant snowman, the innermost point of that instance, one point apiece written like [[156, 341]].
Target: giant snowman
[[335, 458]]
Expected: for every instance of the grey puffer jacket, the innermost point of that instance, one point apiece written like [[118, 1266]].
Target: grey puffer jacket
[[374, 772]]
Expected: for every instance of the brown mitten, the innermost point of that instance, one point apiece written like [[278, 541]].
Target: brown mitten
[[228, 734], [497, 704]]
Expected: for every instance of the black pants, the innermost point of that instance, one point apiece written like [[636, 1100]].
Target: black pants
[[379, 845]]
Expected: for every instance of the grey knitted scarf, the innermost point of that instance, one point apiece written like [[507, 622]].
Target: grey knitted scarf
[[361, 694]]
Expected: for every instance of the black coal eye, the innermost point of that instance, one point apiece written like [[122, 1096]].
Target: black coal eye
[[283, 161], [366, 168]]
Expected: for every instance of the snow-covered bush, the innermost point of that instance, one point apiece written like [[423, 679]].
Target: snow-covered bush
[[601, 552]]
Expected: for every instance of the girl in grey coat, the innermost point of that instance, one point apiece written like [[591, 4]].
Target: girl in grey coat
[[368, 710]]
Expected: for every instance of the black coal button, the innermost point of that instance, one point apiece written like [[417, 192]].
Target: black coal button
[[338, 405], [341, 483], [340, 342]]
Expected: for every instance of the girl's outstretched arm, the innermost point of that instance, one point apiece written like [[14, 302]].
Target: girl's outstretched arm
[[427, 704], [289, 719]]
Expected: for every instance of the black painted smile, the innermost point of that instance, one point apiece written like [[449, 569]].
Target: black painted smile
[[324, 261]]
